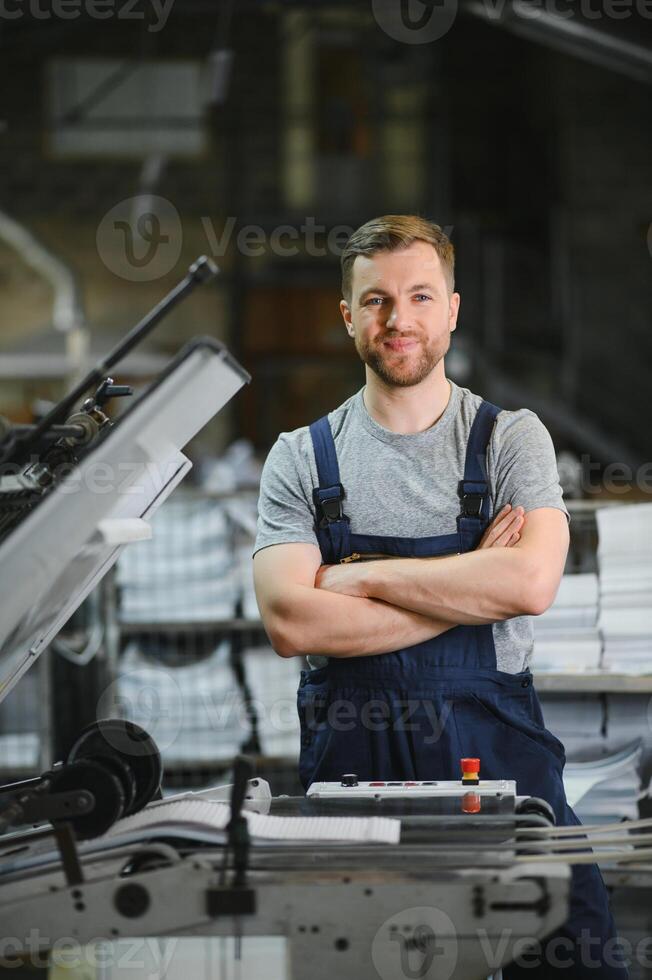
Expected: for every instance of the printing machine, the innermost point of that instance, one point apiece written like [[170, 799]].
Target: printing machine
[[454, 898], [474, 877]]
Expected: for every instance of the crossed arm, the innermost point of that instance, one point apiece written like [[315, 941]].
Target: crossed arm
[[372, 607]]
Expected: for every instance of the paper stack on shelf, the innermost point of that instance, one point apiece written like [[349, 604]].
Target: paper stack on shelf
[[578, 720], [20, 724], [195, 712], [625, 562], [186, 573], [607, 789], [236, 477], [566, 636], [245, 566], [628, 717], [20, 750], [242, 512], [273, 685]]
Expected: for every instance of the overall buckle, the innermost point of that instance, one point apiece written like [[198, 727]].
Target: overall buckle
[[472, 504], [330, 508]]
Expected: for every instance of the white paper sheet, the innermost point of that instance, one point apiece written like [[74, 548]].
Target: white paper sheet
[[211, 815]]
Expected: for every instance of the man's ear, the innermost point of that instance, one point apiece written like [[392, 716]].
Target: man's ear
[[453, 310], [346, 316]]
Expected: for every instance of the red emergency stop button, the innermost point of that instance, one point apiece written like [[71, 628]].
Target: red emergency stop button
[[470, 771]]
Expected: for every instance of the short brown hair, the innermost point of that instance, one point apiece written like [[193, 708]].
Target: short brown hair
[[392, 232]]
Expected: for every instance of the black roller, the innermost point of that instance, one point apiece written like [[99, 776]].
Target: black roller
[[86, 774], [534, 804], [125, 774], [132, 746]]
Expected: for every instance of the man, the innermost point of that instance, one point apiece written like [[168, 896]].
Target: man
[[416, 662]]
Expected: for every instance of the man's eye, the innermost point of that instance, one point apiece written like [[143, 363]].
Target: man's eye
[[422, 296], [374, 300]]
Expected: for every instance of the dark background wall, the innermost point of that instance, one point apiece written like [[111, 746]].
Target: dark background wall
[[537, 160]]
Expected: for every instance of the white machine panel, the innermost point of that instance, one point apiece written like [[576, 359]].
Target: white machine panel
[[412, 788]]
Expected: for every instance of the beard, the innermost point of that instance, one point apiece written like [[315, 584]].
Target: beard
[[402, 370]]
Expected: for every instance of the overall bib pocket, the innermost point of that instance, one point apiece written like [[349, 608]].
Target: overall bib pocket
[[504, 734]]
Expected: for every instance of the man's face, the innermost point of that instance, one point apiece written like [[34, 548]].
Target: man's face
[[401, 314]]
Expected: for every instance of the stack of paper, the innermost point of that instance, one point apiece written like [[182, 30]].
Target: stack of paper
[[195, 712], [203, 821], [245, 572], [566, 636], [578, 721], [186, 573], [607, 789], [625, 561], [20, 724], [207, 819], [273, 684], [629, 717], [20, 750]]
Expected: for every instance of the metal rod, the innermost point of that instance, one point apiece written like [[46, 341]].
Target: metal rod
[[200, 271]]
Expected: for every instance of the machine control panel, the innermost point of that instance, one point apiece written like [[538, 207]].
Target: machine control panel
[[350, 786]]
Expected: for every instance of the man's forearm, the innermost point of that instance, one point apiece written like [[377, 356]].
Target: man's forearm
[[320, 622], [476, 587]]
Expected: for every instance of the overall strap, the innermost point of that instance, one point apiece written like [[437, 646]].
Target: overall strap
[[331, 523], [473, 490]]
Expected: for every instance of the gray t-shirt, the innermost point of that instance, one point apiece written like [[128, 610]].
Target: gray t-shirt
[[406, 485]]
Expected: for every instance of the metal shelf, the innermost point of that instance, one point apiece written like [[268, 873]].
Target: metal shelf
[[237, 625], [597, 683]]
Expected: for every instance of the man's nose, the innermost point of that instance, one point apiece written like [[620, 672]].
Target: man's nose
[[398, 315]]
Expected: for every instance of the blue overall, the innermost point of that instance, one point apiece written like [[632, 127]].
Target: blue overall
[[414, 713]]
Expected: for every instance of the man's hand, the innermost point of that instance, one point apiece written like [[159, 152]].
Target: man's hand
[[345, 579], [505, 529], [503, 532]]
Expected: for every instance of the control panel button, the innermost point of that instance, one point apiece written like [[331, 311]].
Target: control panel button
[[376, 784]]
